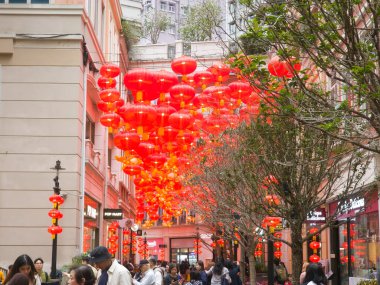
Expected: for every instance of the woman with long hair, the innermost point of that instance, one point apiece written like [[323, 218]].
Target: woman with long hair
[[24, 264], [219, 273], [19, 279], [314, 275], [82, 275], [200, 267]]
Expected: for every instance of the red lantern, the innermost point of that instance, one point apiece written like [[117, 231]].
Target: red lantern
[[181, 120], [109, 95], [109, 70], [110, 106], [55, 214], [277, 254], [240, 89], [277, 67], [126, 140], [56, 199], [132, 169], [258, 253], [277, 244], [110, 120], [138, 115], [184, 65], [315, 245], [164, 80], [202, 78], [314, 258], [182, 92], [313, 230], [54, 230], [106, 82], [139, 79]]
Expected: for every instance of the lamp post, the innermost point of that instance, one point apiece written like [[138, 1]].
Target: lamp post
[[145, 253], [57, 191], [132, 229]]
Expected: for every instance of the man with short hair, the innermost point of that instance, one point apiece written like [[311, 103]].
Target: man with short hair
[[112, 273], [147, 273], [158, 272]]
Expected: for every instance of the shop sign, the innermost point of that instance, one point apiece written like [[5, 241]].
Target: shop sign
[[91, 212], [113, 214], [317, 216], [205, 236], [353, 204]]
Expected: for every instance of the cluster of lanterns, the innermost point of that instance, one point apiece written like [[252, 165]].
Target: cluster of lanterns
[[129, 242], [113, 237], [259, 248], [143, 248], [344, 258], [55, 215], [168, 116], [277, 245], [197, 246], [314, 245]]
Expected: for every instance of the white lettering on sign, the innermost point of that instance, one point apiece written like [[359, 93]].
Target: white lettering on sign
[[316, 216], [91, 212], [151, 243], [204, 236], [353, 204]]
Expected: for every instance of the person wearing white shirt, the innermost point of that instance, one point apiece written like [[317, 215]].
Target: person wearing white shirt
[[148, 277], [112, 273], [158, 272]]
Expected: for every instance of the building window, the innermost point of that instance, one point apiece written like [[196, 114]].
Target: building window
[[171, 29], [90, 130], [109, 157], [40, 1], [1, 1], [171, 7], [185, 10], [187, 49], [171, 51], [163, 6], [17, 1]]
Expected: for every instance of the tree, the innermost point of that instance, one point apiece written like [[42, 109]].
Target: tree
[[131, 32], [154, 23], [202, 20], [277, 167], [341, 42]]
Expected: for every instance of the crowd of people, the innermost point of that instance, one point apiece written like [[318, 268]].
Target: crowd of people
[[100, 268]]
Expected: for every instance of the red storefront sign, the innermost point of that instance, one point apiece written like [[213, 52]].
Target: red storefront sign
[[361, 204]]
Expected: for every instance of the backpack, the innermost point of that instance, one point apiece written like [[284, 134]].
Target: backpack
[[223, 280], [282, 274], [162, 274]]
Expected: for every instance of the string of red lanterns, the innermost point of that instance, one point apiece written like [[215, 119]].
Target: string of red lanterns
[[314, 245], [113, 237], [157, 138], [55, 215]]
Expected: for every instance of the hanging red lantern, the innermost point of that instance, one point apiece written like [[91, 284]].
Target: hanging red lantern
[[163, 112], [164, 80], [184, 65], [55, 214], [106, 82], [277, 67], [314, 258], [138, 115], [132, 169], [110, 106], [182, 93], [109, 95], [277, 254], [277, 244], [315, 245], [240, 89], [109, 70], [54, 230], [126, 140], [110, 120], [181, 120], [203, 78], [139, 80], [258, 253], [313, 230], [56, 199]]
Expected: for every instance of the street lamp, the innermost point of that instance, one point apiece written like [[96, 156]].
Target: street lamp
[[132, 229]]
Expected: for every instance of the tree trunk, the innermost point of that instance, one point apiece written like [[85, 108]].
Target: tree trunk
[[252, 269], [242, 264], [297, 259]]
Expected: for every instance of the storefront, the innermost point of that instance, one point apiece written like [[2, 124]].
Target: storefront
[[181, 249], [91, 224], [354, 249]]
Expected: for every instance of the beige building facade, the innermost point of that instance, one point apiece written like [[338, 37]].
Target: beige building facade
[[50, 55]]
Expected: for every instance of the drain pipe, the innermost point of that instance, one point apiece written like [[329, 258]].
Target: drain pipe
[[83, 164]]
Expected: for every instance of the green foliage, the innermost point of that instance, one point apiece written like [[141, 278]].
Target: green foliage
[[131, 33], [326, 33], [155, 22], [367, 282], [202, 20]]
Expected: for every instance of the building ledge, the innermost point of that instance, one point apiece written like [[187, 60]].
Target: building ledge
[[6, 43]]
